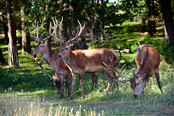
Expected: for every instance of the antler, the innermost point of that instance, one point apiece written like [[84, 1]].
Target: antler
[[40, 64], [119, 74], [139, 51], [81, 29], [56, 24], [37, 30]]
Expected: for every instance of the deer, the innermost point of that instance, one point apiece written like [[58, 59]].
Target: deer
[[147, 60], [50, 57], [80, 62]]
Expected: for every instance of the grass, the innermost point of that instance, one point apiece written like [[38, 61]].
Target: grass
[[24, 91]]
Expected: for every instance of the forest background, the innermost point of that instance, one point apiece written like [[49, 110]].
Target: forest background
[[25, 91]]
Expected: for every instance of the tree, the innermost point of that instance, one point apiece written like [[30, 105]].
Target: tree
[[151, 16], [5, 28], [2, 60], [3, 10], [12, 48], [26, 48], [168, 21]]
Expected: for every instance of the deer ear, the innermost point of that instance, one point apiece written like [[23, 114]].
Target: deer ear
[[143, 75]]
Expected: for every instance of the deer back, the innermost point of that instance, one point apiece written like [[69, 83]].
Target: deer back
[[92, 59], [151, 60]]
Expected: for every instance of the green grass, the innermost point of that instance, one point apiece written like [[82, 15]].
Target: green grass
[[24, 91]]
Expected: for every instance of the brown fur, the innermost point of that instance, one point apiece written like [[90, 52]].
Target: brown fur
[[87, 61], [58, 65], [151, 62]]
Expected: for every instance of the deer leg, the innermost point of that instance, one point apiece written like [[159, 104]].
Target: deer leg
[[94, 79], [157, 78], [72, 86], [82, 84], [61, 87], [112, 74], [109, 78], [67, 84]]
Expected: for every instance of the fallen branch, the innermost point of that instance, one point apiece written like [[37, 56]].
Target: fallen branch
[[124, 51]]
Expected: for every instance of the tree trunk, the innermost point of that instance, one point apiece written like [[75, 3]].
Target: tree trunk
[[61, 26], [12, 48], [153, 17], [5, 28], [143, 24], [80, 44], [2, 60], [149, 10], [168, 21], [25, 42], [102, 19], [48, 20]]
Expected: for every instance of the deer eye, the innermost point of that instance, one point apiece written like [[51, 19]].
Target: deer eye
[[40, 46], [137, 84], [66, 48]]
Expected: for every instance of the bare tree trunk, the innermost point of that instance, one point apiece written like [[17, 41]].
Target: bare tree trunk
[[153, 17], [61, 26], [48, 20], [12, 48], [168, 21], [94, 32], [143, 24], [5, 28], [2, 60], [149, 10], [102, 19], [25, 39]]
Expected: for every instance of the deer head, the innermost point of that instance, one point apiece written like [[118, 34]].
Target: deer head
[[42, 44], [66, 46], [137, 81]]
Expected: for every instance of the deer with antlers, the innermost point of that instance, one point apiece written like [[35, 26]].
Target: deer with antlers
[[86, 61], [50, 57], [147, 60]]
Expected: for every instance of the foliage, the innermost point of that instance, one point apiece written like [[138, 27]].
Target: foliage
[[12, 78], [168, 53], [25, 90]]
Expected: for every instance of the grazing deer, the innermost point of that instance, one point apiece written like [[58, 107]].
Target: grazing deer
[[50, 57], [148, 61], [86, 61]]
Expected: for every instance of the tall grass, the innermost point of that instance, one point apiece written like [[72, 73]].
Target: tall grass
[[43, 102], [13, 105]]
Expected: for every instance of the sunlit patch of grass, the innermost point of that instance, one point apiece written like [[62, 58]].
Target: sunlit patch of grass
[[37, 106]]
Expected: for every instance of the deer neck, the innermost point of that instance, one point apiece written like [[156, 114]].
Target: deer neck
[[67, 58], [145, 69], [47, 56]]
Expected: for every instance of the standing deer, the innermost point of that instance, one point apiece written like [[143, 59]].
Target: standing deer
[[50, 57], [148, 61], [86, 61]]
